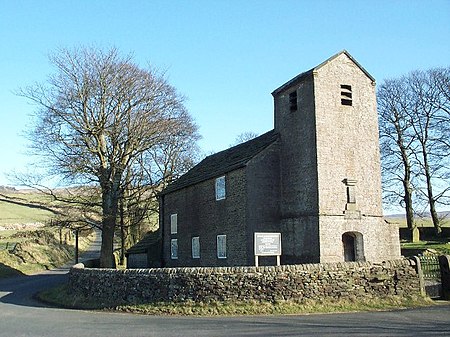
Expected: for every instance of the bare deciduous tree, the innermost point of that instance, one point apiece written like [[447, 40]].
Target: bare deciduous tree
[[105, 123], [414, 131], [397, 146], [424, 113]]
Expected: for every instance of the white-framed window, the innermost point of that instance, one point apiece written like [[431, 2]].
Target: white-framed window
[[222, 246], [195, 247], [174, 249], [220, 188], [174, 223]]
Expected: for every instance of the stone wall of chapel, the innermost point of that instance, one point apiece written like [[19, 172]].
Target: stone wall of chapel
[[137, 260], [380, 239], [298, 151], [263, 198], [300, 240], [299, 189], [347, 138], [348, 148], [200, 214]]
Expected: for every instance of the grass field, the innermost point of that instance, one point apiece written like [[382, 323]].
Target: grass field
[[26, 244], [13, 213], [420, 222], [414, 248], [9, 238]]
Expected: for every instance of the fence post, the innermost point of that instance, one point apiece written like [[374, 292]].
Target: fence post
[[444, 263], [420, 275], [76, 245]]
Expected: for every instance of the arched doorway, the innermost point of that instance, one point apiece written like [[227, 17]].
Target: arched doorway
[[352, 244]]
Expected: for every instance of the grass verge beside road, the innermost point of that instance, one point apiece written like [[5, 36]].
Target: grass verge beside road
[[31, 251], [61, 297]]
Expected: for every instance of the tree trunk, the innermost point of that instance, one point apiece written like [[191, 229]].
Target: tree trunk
[[408, 205], [408, 196], [433, 212], [410, 213], [110, 203], [435, 218], [106, 252], [430, 195]]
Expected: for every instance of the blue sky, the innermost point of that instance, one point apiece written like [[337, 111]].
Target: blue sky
[[225, 56]]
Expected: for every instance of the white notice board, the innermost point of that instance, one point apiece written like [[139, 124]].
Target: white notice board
[[267, 244]]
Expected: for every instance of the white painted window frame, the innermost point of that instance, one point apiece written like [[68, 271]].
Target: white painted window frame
[[221, 246], [174, 223], [195, 247], [220, 188], [174, 249]]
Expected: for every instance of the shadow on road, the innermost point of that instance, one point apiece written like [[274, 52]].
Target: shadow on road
[[20, 290], [7, 271]]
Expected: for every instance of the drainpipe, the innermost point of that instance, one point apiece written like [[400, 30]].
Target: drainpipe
[[161, 227]]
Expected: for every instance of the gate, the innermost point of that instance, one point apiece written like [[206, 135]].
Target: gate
[[432, 275]]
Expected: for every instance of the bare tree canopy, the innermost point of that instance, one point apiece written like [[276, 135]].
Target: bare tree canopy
[[105, 122], [244, 137], [397, 146], [414, 120]]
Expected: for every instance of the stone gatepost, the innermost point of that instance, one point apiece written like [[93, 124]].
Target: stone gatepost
[[420, 275], [444, 263]]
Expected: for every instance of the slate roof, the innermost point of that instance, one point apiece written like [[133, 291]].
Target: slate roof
[[143, 246], [223, 162]]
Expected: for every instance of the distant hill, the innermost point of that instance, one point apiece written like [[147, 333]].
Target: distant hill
[[5, 189], [442, 214]]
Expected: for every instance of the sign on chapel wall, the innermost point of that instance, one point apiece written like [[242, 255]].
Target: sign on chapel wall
[[267, 244]]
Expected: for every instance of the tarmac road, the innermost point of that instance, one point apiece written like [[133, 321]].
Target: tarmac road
[[21, 315]]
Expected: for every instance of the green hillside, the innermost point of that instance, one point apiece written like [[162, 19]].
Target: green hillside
[[14, 208]]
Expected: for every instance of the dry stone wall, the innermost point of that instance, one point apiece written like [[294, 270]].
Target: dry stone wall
[[288, 282]]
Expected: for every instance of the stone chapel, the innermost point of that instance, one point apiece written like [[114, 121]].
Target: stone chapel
[[315, 178]]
